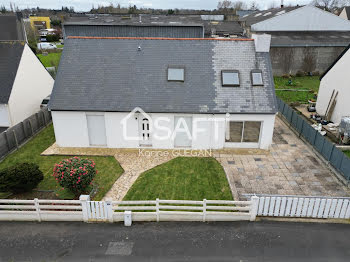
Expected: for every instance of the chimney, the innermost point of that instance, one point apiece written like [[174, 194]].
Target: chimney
[[282, 5], [262, 43]]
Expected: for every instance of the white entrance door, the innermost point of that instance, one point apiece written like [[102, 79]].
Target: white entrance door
[[96, 130], [145, 132], [181, 138]]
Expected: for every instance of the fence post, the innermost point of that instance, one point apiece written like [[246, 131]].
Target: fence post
[[204, 209], [157, 209], [109, 209], [16, 140], [44, 118], [84, 205], [37, 208], [7, 141], [31, 126], [254, 207], [24, 131]]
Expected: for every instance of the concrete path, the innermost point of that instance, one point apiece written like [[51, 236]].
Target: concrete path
[[289, 168], [164, 242], [134, 165]]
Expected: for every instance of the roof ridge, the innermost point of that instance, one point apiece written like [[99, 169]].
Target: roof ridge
[[160, 38]]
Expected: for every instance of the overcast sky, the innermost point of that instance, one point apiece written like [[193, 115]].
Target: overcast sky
[[85, 5]]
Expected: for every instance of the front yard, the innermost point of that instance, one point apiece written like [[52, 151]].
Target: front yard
[[109, 169], [291, 93], [182, 178]]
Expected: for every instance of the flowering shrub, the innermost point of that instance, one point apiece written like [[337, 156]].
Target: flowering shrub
[[75, 174]]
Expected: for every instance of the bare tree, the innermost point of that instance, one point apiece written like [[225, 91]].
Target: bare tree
[[329, 5], [309, 60], [254, 6], [233, 5], [224, 5]]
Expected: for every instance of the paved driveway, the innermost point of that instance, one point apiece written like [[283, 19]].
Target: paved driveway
[[290, 168]]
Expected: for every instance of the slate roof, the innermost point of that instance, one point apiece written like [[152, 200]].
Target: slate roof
[[11, 28], [10, 56], [316, 39], [259, 16], [170, 21], [113, 75]]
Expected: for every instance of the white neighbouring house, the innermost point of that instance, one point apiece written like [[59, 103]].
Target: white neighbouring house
[[24, 81], [335, 80], [221, 88]]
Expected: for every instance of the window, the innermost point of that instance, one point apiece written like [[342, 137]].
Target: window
[[230, 78], [243, 132], [251, 132], [257, 78], [176, 74]]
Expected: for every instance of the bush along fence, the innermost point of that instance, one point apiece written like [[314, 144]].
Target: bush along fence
[[127, 211], [14, 137], [303, 206], [327, 149]]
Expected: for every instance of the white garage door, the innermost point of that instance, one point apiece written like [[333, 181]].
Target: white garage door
[[97, 130], [181, 138]]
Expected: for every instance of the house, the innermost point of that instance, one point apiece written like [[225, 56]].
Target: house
[[170, 26], [345, 13], [304, 38], [24, 81], [334, 92], [40, 22], [164, 93]]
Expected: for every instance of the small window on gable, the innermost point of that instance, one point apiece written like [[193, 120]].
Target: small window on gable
[[176, 74], [230, 78], [257, 79]]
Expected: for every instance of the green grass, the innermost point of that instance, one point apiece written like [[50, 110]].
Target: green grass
[[182, 178], [347, 153], [311, 83], [109, 169], [51, 59]]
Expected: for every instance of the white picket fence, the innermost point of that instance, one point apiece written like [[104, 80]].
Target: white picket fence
[[113, 211], [303, 206]]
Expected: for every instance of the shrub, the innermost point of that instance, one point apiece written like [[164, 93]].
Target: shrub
[[300, 73], [75, 174], [20, 178], [52, 38]]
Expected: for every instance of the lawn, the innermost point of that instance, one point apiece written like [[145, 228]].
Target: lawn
[[109, 169], [51, 59], [310, 83], [347, 153], [182, 178]]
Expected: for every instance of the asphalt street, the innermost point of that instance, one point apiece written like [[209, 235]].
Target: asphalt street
[[236, 241]]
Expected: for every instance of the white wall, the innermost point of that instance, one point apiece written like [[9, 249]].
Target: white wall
[[343, 14], [4, 116], [71, 130], [32, 84], [338, 78]]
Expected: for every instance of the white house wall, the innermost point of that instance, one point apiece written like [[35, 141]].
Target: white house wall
[[4, 116], [307, 18], [32, 84], [338, 79], [343, 14], [71, 130]]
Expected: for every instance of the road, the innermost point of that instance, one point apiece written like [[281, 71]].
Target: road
[[239, 241]]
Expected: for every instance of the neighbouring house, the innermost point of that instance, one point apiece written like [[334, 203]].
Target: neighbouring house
[[24, 81], [112, 92], [304, 38], [334, 93], [345, 13], [169, 26], [40, 22]]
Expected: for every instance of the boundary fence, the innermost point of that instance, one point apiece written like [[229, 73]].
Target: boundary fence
[[14, 137], [114, 211], [327, 149], [303, 206]]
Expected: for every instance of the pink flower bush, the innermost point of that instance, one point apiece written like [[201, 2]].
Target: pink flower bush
[[75, 174]]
